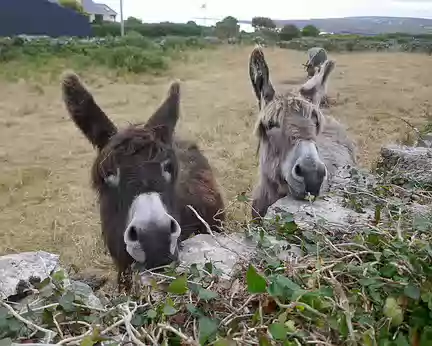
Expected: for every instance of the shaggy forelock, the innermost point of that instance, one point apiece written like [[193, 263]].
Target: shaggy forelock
[[282, 108], [135, 138]]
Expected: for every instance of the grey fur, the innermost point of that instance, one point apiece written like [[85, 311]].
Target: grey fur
[[316, 57], [292, 131]]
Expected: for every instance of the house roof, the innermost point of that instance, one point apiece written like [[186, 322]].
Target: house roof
[[95, 8]]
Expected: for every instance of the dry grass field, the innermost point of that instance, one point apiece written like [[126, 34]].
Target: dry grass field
[[45, 197]]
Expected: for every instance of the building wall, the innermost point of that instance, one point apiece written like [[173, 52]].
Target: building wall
[[106, 18], [41, 17]]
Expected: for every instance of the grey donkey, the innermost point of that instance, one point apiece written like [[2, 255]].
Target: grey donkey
[[299, 147]]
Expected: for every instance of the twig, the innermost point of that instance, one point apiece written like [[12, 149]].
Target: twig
[[213, 236], [49, 333], [171, 329], [127, 322], [303, 305], [226, 319]]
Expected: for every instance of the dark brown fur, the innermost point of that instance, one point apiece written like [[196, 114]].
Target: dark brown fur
[[137, 152]]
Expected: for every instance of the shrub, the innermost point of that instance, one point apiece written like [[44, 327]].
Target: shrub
[[131, 59], [289, 32], [310, 30]]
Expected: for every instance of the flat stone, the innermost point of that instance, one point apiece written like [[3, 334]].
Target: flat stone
[[17, 267]]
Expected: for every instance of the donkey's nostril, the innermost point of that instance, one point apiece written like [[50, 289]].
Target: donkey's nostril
[[133, 234], [173, 227], [298, 171]]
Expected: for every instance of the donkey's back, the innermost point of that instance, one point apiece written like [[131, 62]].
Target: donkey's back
[[198, 188]]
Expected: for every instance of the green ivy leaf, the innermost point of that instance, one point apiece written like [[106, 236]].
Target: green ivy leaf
[[393, 311], [426, 337], [255, 282], [224, 342], [59, 276], [4, 312], [88, 341], [66, 301], [401, 340], [206, 295], [264, 340], [242, 197], [412, 292], [169, 310], [278, 331], [152, 314], [368, 338], [138, 320], [15, 325], [207, 329], [6, 342], [179, 285]]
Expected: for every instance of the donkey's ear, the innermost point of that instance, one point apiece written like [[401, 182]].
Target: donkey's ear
[[316, 87], [84, 111], [260, 77], [164, 120]]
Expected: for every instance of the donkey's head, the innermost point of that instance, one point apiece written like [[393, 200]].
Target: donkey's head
[[135, 174], [287, 128]]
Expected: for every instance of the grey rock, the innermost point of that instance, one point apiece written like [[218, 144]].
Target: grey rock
[[412, 164], [425, 141], [328, 212], [226, 251], [86, 294], [17, 267]]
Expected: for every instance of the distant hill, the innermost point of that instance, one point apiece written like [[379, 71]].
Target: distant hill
[[363, 25]]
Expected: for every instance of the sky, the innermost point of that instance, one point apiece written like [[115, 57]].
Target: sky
[[184, 10]]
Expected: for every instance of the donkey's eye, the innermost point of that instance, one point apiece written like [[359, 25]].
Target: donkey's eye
[[168, 167], [272, 125], [167, 170], [113, 179]]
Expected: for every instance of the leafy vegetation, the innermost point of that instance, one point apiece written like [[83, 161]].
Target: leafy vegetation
[[73, 5], [289, 32], [310, 31], [351, 43], [260, 23], [227, 28], [151, 30], [371, 286], [133, 53]]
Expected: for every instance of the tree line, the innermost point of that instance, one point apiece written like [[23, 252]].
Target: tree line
[[226, 28]]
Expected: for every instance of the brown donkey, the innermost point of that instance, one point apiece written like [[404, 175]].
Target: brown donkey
[[145, 179], [299, 148]]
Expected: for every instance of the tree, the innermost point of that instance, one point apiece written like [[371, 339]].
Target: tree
[[289, 32], [73, 5], [133, 21], [191, 22], [227, 27], [311, 31], [260, 23]]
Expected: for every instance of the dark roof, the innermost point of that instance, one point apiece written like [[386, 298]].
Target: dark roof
[[41, 17]]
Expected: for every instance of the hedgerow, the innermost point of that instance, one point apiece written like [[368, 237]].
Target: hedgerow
[[370, 286], [132, 53]]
